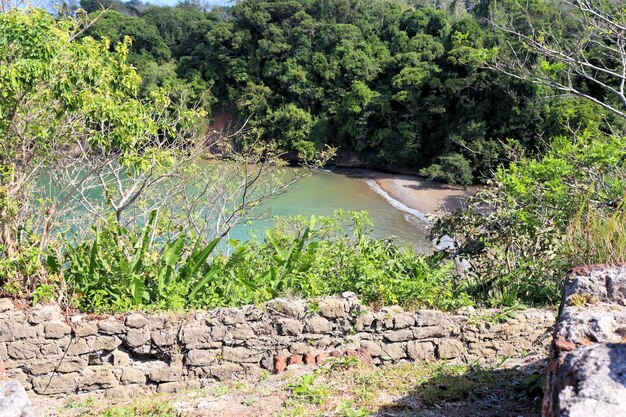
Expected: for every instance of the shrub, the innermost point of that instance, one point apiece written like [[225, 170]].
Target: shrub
[[522, 233], [120, 269], [452, 169]]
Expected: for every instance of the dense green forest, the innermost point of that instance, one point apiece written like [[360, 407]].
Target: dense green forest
[[390, 84]]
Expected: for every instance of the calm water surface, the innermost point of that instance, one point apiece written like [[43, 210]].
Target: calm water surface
[[324, 192]]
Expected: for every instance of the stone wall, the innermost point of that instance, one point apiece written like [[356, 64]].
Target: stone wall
[[587, 371], [52, 354]]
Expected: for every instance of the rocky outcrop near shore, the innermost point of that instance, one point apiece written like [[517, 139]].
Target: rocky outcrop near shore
[[587, 372]]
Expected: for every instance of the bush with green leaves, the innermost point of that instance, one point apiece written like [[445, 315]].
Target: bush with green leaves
[[514, 233], [452, 169], [62, 99], [121, 269]]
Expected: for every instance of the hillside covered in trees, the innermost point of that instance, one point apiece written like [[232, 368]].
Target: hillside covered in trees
[[392, 85]]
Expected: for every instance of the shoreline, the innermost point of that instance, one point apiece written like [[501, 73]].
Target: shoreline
[[416, 193]]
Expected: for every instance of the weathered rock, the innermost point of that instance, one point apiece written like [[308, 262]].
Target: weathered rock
[[485, 350], [23, 350], [420, 350], [164, 337], [428, 317], [137, 337], [42, 313], [6, 304], [13, 400], [364, 321], [49, 348], [226, 371], [56, 384], [233, 316], [241, 355], [318, 324], [288, 308], [433, 332], [398, 335], [136, 321], [97, 377], [120, 358], [198, 357], [605, 282], [598, 324], [333, 307], [41, 366], [402, 321], [219, 333], [449, 349], [372, 347], [21, 376], [107, 342], [172, 387], [196, 334], [56, 329], [242, 332], [394, 351], [289, 327], [111, 327], [165, 374], [132, 376], [83, 329], [587, 372], [300, 348], [592, 382], [11, 330]]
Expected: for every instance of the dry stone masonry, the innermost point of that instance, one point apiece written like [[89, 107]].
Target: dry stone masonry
[[587, 372], [53, 354]]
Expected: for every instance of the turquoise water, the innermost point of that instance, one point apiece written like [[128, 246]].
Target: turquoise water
[[324, 192], [321, 194]]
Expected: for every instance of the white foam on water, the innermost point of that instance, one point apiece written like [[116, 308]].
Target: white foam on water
[[398, 204]]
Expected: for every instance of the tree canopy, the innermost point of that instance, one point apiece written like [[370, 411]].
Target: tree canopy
[[390, 84]]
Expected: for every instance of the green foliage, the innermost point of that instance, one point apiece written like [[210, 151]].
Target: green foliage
[[540, 217], [453, 169], [153, 408], [305, 389], [120, 269], [382, 80], [56, 92]]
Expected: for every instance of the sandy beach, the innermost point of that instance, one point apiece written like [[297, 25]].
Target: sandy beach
[[420, 194]]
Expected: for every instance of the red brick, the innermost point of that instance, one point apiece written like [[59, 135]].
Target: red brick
[[321, 358], [279, 364], [294, 360]]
